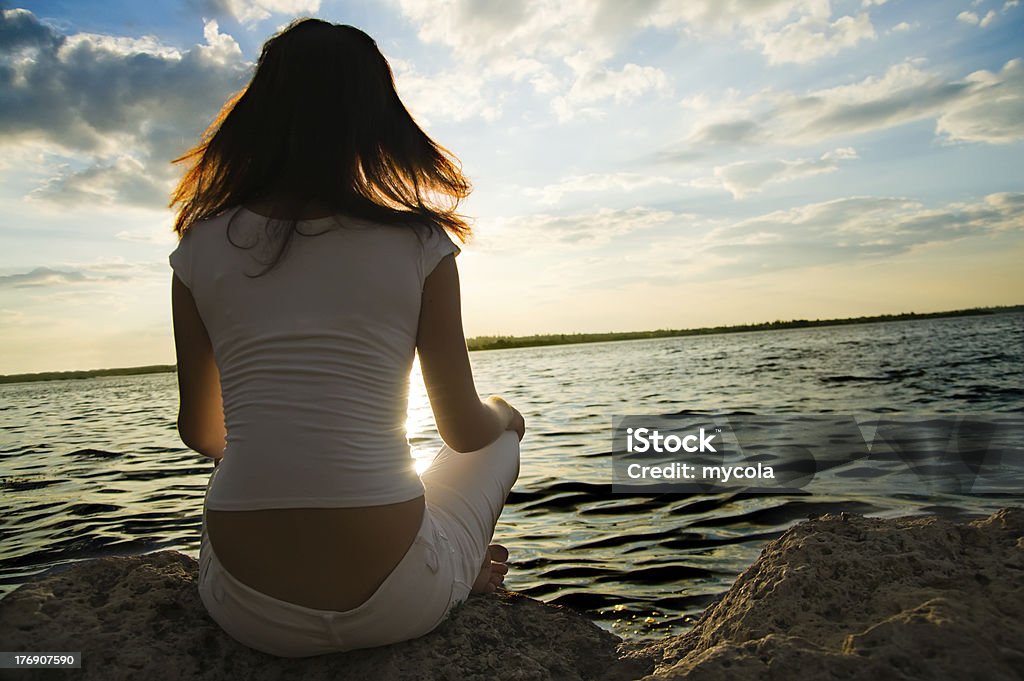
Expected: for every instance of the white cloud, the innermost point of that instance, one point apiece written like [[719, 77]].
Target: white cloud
[[454, 95], [527, 69], [849, 229], [903, 94], [581, 36], [747, 177], [252, 11], [725, 16], [972, 19], [485, 31], [622, 86], [991, 110], [812, 37], [983, 107], [599, 183], [120, 45], [220, 48], [578, 230], [685, 247], [162, 235], [901, 27], [838, 232]]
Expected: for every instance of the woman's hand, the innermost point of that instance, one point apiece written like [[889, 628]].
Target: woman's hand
[[518, 423], [513, 419]]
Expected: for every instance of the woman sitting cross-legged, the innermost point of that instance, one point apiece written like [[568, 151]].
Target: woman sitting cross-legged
[[314, 263]]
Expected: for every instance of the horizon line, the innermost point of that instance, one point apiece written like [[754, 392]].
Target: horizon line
[[499, 342]]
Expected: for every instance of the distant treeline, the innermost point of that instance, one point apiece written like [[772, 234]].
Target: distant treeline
[[503, 342], [89, 373]]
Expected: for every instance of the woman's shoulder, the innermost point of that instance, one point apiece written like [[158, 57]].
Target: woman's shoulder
[[203, 224], [422, 235]]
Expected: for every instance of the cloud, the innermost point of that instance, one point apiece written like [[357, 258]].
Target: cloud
[[748, 177], [455, 95], [972, 19], [599, 183], [252, 11], [622, 86], [64, 276], [40, 276], [577, 231], [119, 109], [721, 17], [903, 94], [684, 247], [569, 44], [856, 228], [486, 31], [812, 37], [732, 133], [160, 235], [517, 40], [991, 110], [984, 106], [123, 180]]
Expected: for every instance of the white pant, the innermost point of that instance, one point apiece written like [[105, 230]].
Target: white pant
[[465, 494]]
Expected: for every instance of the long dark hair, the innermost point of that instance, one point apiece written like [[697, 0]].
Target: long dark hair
[[321, 123]]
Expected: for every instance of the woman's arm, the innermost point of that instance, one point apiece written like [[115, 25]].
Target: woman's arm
[[201, 410], [464, 422]]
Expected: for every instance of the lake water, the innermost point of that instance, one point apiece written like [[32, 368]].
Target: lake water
[[94, 467]]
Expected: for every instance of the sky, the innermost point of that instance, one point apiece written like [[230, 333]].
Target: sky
[[636, 165]]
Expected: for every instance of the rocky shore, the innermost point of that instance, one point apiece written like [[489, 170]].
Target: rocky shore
[[836, 597]]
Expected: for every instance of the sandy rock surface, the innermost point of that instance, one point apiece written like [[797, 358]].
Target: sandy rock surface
[[141, 618], [838, 597], [847, 597]]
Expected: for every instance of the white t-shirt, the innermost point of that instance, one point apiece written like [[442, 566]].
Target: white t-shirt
[[314, 356]]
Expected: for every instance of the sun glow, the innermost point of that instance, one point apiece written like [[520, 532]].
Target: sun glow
[[419, 422]]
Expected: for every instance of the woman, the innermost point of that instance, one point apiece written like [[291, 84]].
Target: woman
[[314, 261]]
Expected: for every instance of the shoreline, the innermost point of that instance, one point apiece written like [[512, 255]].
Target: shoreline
[[481, 343], [539, 340]]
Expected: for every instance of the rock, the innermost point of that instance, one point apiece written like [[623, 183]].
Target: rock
[[836, 597], [140, 617], [848, 597]]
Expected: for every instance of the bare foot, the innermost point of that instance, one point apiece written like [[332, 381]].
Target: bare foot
[[493, 571]]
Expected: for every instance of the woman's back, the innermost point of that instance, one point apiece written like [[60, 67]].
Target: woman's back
[[314, 360], [314, 357]]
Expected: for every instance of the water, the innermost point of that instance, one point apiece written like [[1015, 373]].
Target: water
[[93, 467]]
